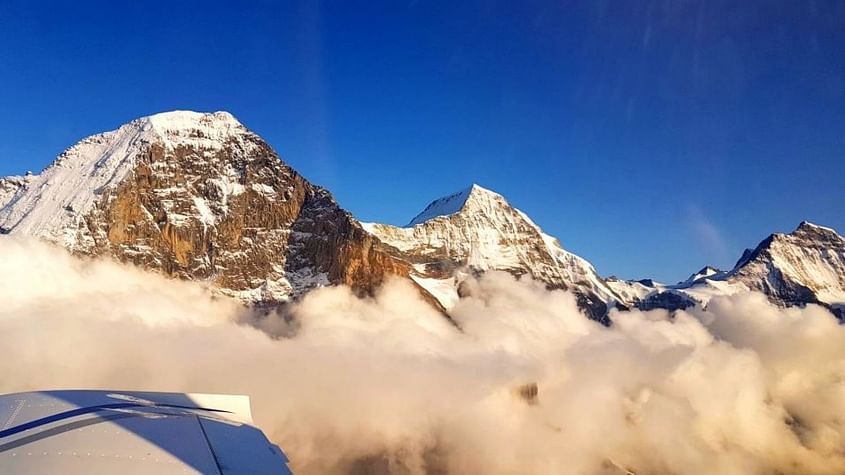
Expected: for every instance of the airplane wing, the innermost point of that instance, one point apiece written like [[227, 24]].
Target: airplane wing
[[108, 432]]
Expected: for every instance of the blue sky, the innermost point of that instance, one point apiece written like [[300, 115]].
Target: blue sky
[[651, 137]]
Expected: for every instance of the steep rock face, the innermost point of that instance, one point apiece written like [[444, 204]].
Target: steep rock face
[[805, 266], [199, 197], [476, 230], [344, 252]]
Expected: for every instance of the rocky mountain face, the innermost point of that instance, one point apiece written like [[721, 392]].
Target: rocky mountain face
[[200, 197]]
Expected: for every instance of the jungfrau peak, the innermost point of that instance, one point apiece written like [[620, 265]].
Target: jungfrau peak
[[806, 266]]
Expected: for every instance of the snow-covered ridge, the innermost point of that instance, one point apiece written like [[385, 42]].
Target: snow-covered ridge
[[53, 204], [697, 290]]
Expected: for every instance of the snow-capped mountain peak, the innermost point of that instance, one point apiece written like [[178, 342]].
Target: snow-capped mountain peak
[[705, 272], [209, 130], [473, 198], [817, 232], [478, 229], [806, 265], [185, 119], [53, 204]]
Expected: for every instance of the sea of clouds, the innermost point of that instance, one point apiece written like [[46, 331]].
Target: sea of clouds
[[387, 385]]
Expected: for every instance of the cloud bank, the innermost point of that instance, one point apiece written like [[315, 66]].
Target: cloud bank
[[386, 385]]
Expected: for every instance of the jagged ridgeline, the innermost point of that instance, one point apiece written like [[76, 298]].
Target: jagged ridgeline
[[200, 197]]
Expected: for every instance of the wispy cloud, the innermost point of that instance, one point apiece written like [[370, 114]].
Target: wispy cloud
[[708, 236]]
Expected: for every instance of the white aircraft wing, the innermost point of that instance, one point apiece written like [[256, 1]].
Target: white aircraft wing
[[128, 433]]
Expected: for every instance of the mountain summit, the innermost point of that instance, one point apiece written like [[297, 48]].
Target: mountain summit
[[196, 196], [466, 201], [54, 204], [804, 266], [476, 230]]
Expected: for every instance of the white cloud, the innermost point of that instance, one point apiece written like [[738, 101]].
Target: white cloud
[[741, 388]]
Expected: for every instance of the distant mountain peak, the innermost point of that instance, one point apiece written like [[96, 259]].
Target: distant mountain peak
[[472, 197], [807, 234], [705, 272], [806, 265], [808, 225]]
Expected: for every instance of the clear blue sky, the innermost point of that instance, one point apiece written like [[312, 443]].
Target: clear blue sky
[[651, 137]]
